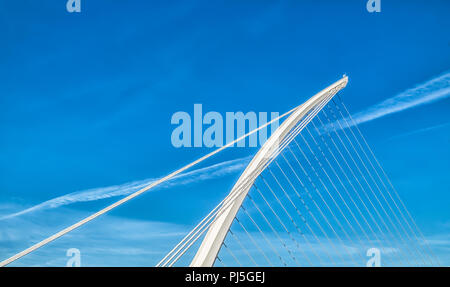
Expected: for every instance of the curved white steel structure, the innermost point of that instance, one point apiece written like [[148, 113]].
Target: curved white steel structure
[[218, 222], [210, 246]]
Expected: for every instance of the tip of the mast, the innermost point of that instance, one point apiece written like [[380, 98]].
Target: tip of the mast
[[345, 78]]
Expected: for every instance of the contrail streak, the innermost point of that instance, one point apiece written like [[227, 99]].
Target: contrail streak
[[335, 87], [425, 93], [419, 131], [201, 174]]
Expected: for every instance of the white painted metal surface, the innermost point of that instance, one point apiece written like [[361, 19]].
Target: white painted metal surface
[[133, 195], [210, 246]]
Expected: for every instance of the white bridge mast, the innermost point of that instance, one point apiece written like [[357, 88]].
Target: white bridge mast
[[210, 246]]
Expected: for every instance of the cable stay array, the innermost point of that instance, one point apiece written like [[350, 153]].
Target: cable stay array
[[313, 195]]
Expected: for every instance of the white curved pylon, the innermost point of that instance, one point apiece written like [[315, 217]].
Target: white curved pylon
[[210, 246]]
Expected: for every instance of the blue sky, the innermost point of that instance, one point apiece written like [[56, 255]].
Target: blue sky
[[86, 101]]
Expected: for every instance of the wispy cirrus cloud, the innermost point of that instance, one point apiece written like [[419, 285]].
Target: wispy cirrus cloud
[[213, 171], [115, 241], [419, 131], [425, 93]]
